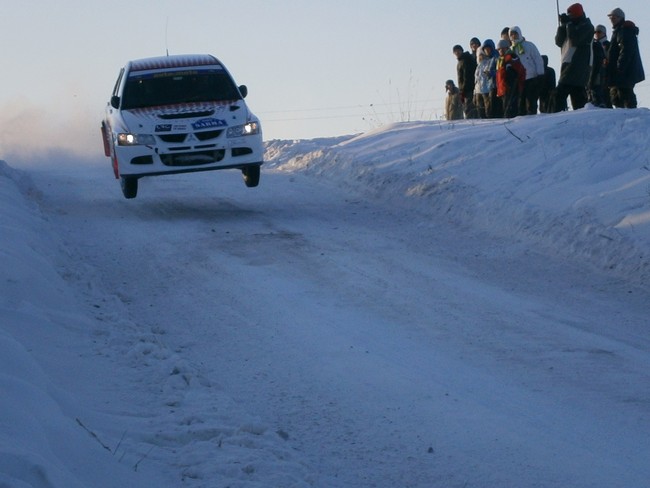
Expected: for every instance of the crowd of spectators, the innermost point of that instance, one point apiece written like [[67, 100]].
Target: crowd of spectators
[[510, 77]]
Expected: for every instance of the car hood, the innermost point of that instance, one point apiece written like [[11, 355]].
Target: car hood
[[187, 117]]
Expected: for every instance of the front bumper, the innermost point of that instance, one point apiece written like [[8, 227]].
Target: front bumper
[[187, 157]]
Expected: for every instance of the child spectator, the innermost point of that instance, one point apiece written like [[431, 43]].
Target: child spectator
[[510, 77]]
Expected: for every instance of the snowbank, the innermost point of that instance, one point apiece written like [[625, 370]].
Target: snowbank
[[42, 443], [576, 183]]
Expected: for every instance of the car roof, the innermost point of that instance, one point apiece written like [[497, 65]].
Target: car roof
[[173, 61]]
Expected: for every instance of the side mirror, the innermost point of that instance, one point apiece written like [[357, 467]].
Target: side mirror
[[115, 101], [243, 89]]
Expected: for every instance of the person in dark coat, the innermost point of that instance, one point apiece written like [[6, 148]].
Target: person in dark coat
[[546, 87], [598, 89], [474, 46], [624, 66], [466, 68], [574, 36]]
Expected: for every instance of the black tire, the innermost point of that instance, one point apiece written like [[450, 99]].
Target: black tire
[[129, 187], [251, 175]]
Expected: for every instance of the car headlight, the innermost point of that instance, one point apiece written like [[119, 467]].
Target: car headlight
[[127, 139], [249, 129]]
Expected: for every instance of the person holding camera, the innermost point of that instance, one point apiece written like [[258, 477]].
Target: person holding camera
[[574, 36]]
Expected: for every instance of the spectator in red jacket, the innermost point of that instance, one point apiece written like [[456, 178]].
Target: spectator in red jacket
[[511, 77]]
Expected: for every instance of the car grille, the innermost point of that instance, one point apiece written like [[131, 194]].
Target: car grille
[[173, 138], [208, 134], [193, 159], [201, 136]]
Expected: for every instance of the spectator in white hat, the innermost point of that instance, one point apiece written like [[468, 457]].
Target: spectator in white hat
[[624, 66], [534, 64]]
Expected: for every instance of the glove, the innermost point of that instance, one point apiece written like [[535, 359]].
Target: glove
[[564, 19]]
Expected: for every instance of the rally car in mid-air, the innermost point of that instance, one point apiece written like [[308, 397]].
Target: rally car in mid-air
[[179, 114]]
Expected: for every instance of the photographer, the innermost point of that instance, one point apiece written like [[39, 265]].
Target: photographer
[[574, 36]]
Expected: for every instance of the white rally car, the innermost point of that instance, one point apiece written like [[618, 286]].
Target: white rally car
[[179, 114]]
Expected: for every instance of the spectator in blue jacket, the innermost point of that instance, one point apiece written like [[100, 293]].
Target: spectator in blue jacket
[[485, 91]]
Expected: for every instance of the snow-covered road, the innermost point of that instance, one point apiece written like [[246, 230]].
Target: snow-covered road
[[384, 347], [408, 309]]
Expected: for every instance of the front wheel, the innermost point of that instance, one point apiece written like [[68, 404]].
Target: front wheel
[[129, 186], [251, 175]]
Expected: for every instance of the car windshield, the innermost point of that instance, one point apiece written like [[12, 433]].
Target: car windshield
[[175, 87]]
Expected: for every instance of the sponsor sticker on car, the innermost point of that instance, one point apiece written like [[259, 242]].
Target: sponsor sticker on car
[[209, 123]]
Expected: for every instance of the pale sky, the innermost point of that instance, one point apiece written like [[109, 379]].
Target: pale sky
[[313, 67]]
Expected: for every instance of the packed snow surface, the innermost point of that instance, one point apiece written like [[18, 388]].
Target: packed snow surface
[[429, 304]]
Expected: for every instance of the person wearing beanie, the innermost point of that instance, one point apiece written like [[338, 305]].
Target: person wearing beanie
[[575, 10], [573, 37], [531, 59], [597, 91], [503, 44], [466, 68], [600, 35], [624, 66]]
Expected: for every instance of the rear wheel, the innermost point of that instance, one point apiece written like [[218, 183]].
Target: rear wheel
[[251, 175], [129, 186]]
